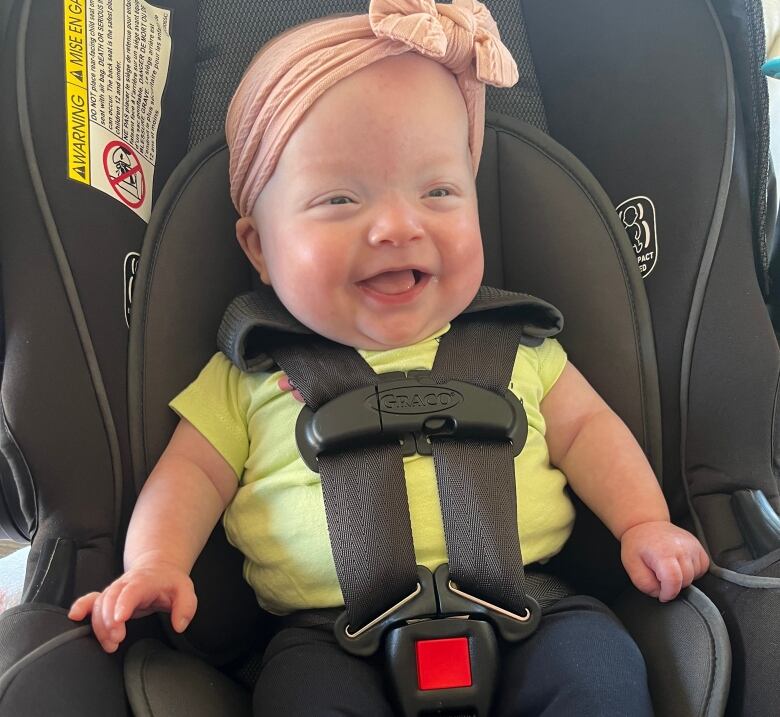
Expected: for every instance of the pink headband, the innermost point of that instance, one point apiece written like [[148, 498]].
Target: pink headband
[[297, 68]]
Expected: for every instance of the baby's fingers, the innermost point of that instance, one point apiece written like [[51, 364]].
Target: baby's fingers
[[105, 633], [285, 385], [184, 605], [670, 575], [117, 604], [702, 562], [688, 570], [108, 602], [132, 601], [643, 577], [82, 607]]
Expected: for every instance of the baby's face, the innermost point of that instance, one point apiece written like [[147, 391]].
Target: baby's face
[[368, 229]]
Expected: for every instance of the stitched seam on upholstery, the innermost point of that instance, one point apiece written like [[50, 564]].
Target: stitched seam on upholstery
[[46, 571], [41, 651]]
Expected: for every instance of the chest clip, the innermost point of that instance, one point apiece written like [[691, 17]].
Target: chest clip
[[412, 410]]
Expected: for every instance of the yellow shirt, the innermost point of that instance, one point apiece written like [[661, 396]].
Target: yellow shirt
[[277, 517]]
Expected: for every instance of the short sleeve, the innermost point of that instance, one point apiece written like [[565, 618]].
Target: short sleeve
[[552, 361], [212, 404]]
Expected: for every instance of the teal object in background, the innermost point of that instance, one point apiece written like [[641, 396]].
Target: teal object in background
[[771, 68]]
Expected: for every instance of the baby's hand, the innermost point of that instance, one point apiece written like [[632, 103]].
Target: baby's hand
[[140, 591], [285, 385], [661, 558]]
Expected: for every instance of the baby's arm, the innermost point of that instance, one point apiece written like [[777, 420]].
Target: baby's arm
[[608, 470], [176, 511]]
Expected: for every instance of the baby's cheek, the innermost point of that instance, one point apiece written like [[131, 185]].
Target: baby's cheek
[[465, 252], [323, 309], [466, 275]]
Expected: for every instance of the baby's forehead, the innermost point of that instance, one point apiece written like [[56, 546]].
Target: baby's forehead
[[404, 88], [389, 51], [324, 161]]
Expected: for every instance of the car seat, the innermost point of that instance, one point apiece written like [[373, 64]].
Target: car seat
[[80, 430]]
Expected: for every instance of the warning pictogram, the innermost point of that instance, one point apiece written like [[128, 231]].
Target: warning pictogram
[[124, 173]]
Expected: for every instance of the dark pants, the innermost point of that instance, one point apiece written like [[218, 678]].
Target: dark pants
[[580, 661]]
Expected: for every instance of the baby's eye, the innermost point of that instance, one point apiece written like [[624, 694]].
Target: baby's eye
[[439, 192], [339, 200]]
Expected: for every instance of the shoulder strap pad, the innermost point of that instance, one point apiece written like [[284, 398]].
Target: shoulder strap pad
[[253, 317], [246, 327], [539, 320]]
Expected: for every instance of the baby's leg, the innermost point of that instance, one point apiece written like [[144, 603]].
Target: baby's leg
[[581, 661], [306, 673]]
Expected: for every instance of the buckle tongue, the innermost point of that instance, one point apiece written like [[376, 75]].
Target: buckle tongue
[[365, 640], [511, 626]]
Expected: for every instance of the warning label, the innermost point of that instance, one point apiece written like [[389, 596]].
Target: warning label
[[116, 65]]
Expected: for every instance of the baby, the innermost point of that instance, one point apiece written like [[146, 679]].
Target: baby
[[354, 147]]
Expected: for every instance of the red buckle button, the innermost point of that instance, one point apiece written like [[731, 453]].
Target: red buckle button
[[443, 663]]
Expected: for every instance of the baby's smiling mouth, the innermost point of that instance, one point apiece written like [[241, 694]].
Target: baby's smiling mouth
[[395, 282]]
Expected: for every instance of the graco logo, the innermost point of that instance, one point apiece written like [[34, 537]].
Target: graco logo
[[415, 399], [638, 217]]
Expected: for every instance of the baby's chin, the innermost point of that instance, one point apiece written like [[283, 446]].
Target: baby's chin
[[375, 331], [383, 337]]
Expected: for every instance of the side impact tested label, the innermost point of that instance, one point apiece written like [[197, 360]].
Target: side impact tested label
[[116, 64], [639, 220]]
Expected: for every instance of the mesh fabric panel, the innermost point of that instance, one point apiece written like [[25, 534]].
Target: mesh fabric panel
[[524, 100], [229, 34]]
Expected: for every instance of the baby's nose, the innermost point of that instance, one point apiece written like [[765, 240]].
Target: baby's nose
[[395, 224]]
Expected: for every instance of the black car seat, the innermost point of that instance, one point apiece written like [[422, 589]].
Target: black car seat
[[67, 481]]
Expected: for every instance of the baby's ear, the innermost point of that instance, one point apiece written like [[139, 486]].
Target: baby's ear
[[249, 239]]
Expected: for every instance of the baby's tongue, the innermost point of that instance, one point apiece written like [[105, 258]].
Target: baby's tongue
[[391, 282]]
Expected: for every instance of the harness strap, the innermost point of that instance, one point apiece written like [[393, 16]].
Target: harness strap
[[364, 489], [476, 479]]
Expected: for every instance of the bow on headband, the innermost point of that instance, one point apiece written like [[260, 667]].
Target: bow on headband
[[451, 34], [292, 71]]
